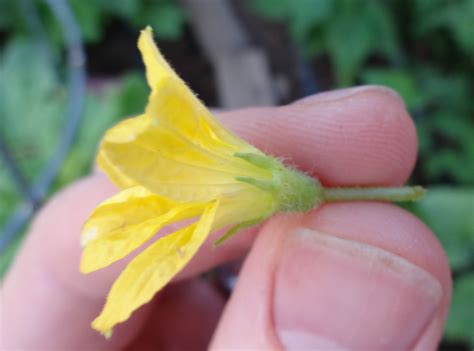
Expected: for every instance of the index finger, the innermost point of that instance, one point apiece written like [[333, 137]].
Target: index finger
[[357, 136]]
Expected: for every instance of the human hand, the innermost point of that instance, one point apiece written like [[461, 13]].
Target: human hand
[[360, 276]]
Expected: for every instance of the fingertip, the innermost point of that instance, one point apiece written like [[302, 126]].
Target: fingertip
[[366, 138], [361, 136]]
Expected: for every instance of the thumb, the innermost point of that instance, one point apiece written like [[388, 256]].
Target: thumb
[[359, 276]]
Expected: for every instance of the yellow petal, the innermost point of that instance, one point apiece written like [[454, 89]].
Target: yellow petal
[[177, 149], [244, 206], [125, 131], [126, 221], [156, 65], [137, 151], [172, 103], [164, 143], [151, 270]]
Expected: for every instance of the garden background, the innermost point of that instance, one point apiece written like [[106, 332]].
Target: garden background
[[70, 69]]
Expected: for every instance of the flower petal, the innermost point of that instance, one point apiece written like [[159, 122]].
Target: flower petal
[[168, 146], [177, 149], [245, 206], [123, 132], [126, 221], [138, 151], [156, 65], [173, 103], [152, 269]]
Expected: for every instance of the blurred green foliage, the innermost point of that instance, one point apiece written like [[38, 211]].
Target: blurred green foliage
[[449, 212], [31, 92], [94, 16], [424, 49], [459, 324]]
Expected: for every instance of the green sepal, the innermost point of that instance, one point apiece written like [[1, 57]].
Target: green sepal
[[261, 184], [293, 191], [260, 161], [235, 229]]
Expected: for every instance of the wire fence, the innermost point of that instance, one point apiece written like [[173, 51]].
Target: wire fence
[[33, 195]]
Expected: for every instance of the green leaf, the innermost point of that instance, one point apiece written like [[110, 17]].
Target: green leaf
[[460, 318], [302, 16], [32, 94], [133, 94], [400, 81], [463, 28], [126, 9], [450, 91], [357, 32], [449, 213], [302, 21], [165, 16], [89, 16], [270, 8], [11, 16], [455, 16], [446, 144]]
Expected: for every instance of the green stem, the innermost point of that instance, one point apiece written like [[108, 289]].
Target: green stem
[[404, 193]]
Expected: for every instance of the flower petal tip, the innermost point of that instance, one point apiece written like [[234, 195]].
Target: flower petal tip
[[107, 334], [85, 268]]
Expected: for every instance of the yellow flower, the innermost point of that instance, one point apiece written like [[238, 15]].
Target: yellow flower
[[174, 163]]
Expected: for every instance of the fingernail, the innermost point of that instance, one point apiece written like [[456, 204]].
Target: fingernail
[[340, 94], [333, 293]]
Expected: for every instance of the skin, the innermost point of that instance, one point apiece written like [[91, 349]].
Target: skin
[[361, 275]]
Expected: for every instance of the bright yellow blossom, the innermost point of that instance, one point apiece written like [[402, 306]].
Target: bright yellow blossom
[[173, 163], [176, 163]]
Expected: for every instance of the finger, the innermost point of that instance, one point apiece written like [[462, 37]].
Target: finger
[[361, 136], [41, 307], [184, 317], [360, 276]]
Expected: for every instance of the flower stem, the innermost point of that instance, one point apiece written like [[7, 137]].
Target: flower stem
[[404, 193]]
